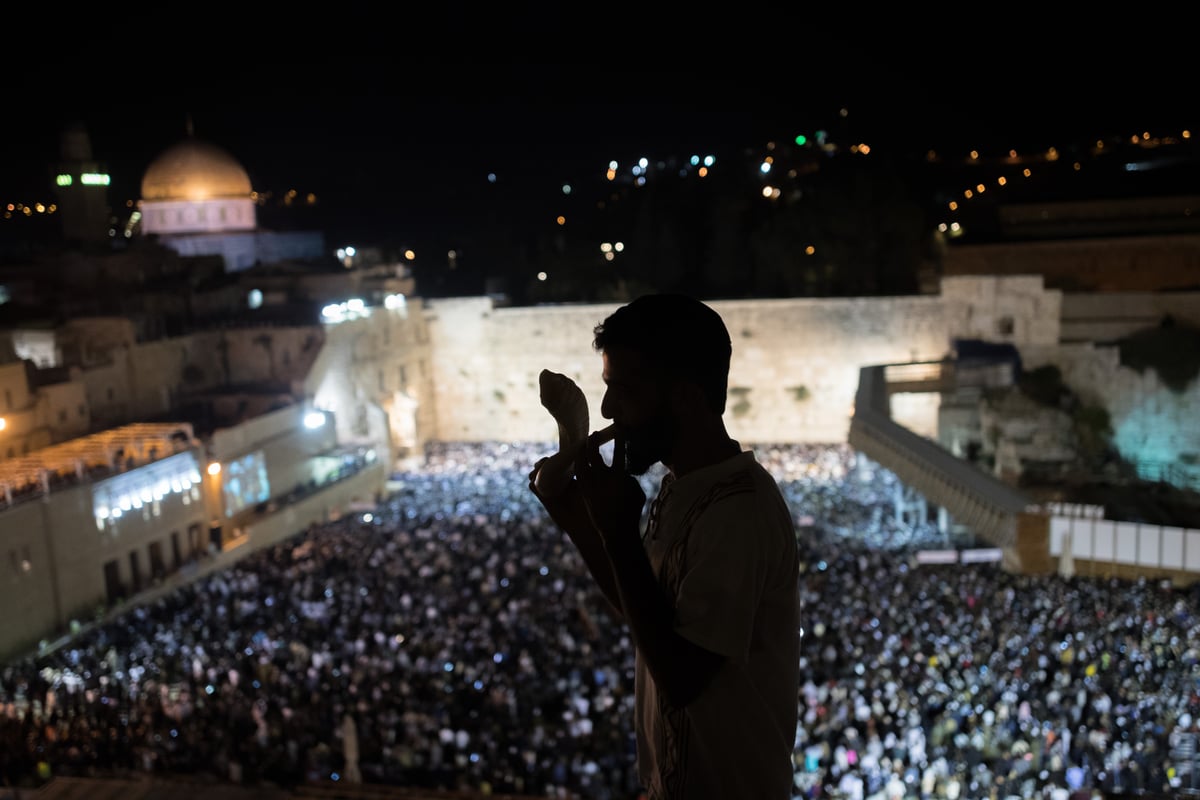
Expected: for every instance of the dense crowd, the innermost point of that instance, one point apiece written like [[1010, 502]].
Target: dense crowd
[[452, 639]]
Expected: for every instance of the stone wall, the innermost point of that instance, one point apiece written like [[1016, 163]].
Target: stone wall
[[795, 364], [1109, 316], [1153, 426], [374, 373], [792, 377]]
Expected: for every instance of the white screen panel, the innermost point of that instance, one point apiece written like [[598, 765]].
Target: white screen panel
[[1171, 554], [1126, 536], [1149, 544], [1191, 550], [1083, 534], [1059, 527], [1103, 543]]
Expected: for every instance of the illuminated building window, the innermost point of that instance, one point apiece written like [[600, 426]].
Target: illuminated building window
[[144, 488]]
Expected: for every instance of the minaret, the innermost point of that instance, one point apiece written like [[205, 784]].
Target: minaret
[[82, 188]]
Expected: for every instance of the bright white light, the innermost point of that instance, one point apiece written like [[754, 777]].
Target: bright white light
[[764, 167], [214, 468], [314, 419], [695, 160], [710, 160], [255, 298], [541, 276], [394, 301], [341, 312], [351, 251], [643, 162], [566, 189]]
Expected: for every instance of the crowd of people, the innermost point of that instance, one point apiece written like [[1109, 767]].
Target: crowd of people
[[451, 639]]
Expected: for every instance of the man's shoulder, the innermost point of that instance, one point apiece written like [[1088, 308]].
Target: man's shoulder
[[741, 475], [738, 485], [748, 488]]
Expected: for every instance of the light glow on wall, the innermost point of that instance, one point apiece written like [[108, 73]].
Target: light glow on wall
[[143, 489]]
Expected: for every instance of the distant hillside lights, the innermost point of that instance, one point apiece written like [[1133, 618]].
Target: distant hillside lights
[[1049, 155], [64, 179], [21, 209], [640, 170], [610, 249]]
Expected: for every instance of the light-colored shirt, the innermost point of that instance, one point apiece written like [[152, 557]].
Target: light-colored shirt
[[723, 544]]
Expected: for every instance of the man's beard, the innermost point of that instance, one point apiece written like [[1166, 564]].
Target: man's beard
[[649, 444]]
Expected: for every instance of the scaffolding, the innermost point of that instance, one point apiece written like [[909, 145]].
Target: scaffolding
[[113, 450]]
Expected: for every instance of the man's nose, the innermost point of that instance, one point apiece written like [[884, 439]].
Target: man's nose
[[606, 405]]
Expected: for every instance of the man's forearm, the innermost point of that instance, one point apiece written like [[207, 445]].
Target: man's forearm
[[680, 669], [592, 550], [570, 515]]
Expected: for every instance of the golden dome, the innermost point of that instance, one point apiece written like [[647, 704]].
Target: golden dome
[[193, 170]]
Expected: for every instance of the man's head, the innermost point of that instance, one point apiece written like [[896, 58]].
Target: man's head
[[666, 363]]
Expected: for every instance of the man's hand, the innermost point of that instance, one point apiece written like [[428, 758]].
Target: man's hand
[[613, 498]]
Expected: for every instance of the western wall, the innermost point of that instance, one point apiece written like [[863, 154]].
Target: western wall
[[795, 362]]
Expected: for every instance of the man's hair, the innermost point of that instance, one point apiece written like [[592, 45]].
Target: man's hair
[[677, 335]]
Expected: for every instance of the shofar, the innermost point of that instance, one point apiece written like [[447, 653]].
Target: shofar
[[566, 403]]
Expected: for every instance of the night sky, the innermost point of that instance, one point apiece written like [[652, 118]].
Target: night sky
[[352, 108]]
